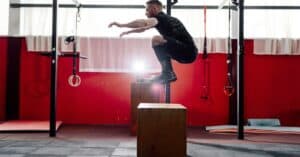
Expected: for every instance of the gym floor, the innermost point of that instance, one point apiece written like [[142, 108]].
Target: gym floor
[[115, 141]]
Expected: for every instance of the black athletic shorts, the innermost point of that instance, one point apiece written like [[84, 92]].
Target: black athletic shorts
[[181, 52]]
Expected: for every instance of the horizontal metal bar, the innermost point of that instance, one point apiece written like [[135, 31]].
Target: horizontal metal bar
[[21, 5], [16, 5], [273, 7]]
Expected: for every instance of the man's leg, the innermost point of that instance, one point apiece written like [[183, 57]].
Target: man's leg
[[163, 56]]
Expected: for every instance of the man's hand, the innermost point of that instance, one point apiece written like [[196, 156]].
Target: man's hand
[[114, 24], [124, 33]]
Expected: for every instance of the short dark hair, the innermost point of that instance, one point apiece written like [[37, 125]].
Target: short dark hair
[[157, 2]]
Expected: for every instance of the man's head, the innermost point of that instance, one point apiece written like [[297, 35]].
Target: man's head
[[153, 7]]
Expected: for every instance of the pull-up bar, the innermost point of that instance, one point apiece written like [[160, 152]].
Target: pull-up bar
[[170, 3], [54, 60]]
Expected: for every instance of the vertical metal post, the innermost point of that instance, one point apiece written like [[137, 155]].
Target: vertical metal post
[[53, 88], [240, 71], [168, 85], [168, 92], [170, 3], [169, 6]]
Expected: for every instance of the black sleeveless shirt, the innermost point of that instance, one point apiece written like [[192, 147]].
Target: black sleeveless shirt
[[171, 27]]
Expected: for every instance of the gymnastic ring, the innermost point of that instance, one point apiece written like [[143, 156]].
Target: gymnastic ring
[[74, 80]]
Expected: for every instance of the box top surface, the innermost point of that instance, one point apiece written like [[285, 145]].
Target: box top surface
[[160, 106]]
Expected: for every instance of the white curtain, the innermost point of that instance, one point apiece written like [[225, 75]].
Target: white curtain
[[115, 54], [277, 46], [274, 31]]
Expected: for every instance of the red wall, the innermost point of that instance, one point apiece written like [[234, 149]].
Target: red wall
[[3, 53], [272, 87], [104, 98]]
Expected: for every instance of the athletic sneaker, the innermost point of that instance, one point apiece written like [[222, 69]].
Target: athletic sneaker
[[164, 77]]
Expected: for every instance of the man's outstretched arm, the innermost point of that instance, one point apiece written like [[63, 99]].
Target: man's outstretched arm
[[136, 23], [136, 30]]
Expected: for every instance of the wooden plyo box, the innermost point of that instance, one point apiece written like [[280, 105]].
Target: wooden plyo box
[[161, 130], [141, 92]]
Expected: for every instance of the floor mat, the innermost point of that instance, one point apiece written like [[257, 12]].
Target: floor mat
[[23, 126], [254, 129]]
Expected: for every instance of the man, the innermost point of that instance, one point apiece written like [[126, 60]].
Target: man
[[175, 41]]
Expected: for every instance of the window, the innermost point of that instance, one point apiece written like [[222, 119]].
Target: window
[[4, 10]]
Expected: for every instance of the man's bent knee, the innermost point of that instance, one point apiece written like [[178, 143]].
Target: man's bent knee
[[158, 40]]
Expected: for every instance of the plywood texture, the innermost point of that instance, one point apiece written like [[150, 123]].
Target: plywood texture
[[161, 130]]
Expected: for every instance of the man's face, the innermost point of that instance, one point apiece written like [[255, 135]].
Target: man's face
[[151, 10]]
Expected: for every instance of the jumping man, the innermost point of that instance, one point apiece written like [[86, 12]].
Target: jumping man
[[175, 41]]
